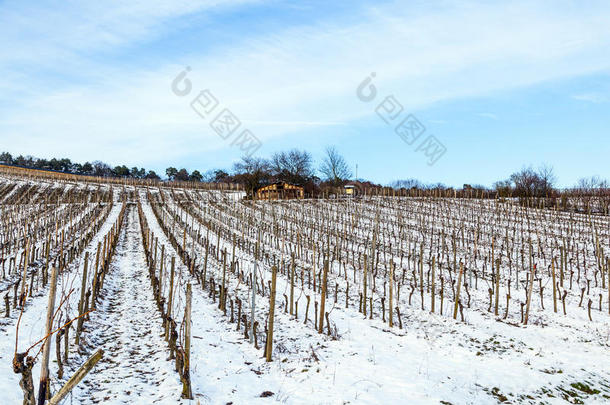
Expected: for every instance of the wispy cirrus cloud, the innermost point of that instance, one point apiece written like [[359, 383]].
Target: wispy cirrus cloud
[[591, 97], [291, 123], [488, 115], [69, 77], [48, 30]]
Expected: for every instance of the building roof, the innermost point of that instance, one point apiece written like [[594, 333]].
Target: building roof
[[279, 183]]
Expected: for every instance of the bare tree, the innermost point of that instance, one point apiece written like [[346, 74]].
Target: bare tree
[[530, 183], [591, 191], [101, 169], [293, 166], [547, 179], [407, 184], [504, 188], [334, 168], [252, 173]]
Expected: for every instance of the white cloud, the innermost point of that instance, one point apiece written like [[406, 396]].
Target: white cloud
[[288, 80], [591, 97], [47, 31], [291, 123]]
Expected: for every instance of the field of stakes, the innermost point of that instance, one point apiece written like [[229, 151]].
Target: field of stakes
[[196, 295]]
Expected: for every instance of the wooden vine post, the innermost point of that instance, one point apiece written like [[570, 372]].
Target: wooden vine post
[[223, 292], [457, 294], [170, 301], [292, 271], [161, 270], [46, 351], [313, 266], [25, 273], [269, 346], [205, 261], [530, 288], [254, 285], [95, 276], [563, 260], [554, 285], [364, 286], [391, 287], [323, 297], [186, 377], [497, 304], [81, 303], [77, 377], [433, 286]]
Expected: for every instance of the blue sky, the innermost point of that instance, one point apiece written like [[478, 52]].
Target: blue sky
[[501, 85]]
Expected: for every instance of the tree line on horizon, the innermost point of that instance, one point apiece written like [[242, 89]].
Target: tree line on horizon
[[296, 166], [64, 165], [293, 166]]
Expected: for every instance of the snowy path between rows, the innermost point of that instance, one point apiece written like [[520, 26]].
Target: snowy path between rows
[[134, 369], [225, 368]]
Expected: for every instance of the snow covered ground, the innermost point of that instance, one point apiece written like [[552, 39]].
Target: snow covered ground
[[135, 358], [431, 359], [31, 327]]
